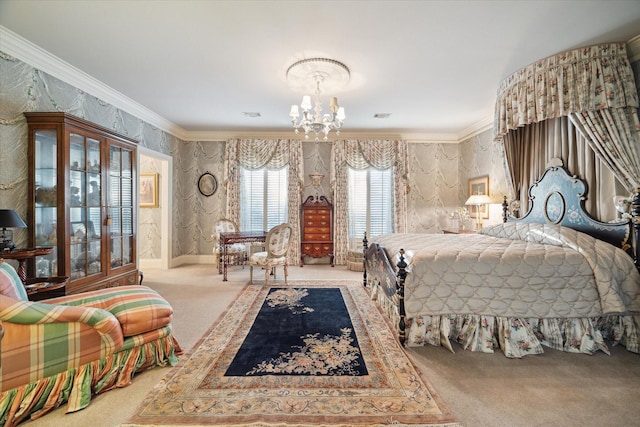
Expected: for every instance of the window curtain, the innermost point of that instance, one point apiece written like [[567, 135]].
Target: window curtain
[[594, 86], [380, 154], [270, 154]]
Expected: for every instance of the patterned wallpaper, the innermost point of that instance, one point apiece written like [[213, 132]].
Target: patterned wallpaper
[[438, 172]]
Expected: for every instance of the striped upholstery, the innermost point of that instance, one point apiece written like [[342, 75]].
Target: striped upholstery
[[10, 283], [139, 309], [42, 340], [72, 347]]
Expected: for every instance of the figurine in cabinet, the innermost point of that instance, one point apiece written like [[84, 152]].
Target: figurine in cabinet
[[75, 196]]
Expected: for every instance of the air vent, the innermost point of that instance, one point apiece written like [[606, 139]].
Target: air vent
[[381, 115], [251, 114]]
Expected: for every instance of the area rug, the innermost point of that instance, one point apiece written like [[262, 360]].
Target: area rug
[[310, 353]]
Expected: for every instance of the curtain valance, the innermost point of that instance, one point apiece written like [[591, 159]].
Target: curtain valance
[[381, 154], [579, 80]]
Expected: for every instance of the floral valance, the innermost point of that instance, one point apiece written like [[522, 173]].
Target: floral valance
[[381, 154], [584, 79]]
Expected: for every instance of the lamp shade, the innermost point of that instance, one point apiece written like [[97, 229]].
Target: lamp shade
[[10, 219], [478, 199]]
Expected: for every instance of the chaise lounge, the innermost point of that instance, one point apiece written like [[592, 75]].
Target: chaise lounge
[[65, 350]]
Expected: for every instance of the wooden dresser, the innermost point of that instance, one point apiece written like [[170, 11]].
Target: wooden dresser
[[316, 229]]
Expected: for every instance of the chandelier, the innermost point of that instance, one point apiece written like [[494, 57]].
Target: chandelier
[[309, 73]]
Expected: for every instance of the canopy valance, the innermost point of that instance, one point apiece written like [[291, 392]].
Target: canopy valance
[[585, 79]]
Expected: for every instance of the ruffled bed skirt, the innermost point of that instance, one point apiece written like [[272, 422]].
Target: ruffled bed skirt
[[516, 337], [77, 386]]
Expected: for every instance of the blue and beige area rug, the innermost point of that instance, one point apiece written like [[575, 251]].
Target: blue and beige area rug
[[307, 353]]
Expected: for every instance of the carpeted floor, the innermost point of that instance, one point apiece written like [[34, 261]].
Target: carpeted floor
[[552, 389], [305, 384]]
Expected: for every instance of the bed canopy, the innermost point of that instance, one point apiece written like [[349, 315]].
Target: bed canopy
[[590, 90]]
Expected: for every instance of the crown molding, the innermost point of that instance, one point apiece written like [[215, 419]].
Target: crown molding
[[476, 128], [28, 52], [22, 49]]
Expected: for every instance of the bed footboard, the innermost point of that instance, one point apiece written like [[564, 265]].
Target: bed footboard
[[378, 270]]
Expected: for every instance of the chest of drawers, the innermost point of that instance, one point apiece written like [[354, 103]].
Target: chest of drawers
[[316, 229]]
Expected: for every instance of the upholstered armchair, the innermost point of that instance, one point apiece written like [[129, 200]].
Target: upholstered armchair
[[277, 245], [65, 350], [236, 253]]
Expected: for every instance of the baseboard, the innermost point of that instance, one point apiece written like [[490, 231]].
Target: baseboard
[[193, 259]]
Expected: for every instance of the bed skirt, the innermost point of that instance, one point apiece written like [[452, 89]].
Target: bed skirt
[[516, 337], [77, 386]]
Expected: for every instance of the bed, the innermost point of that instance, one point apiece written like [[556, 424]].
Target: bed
[[554, 278]]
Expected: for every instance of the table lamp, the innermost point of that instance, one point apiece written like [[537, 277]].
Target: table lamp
[[9, 219], [478, 200]]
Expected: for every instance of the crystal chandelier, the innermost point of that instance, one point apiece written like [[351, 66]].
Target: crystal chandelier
[[315, 71]]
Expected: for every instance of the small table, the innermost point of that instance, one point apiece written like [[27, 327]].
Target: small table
[[22, 255], [40, 288], [230, 238]]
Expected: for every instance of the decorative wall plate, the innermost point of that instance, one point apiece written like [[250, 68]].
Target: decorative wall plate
[[207, 184]]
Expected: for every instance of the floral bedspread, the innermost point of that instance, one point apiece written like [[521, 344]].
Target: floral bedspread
[[517, 286]]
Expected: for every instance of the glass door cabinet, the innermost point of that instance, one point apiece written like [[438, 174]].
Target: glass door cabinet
[[81, 202]]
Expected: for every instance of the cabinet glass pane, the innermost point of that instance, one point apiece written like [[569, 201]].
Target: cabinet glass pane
[[116, 252], [93, 190], [46, 200], [114, 159], [116, 222], [77, 188], [93, 155], [127, 192], [114, 196], [95, 221], [76, 152], [127, 166], [46, 226], [127, 221], [76, 214], [127, 250], [93, 256], [78, 254]]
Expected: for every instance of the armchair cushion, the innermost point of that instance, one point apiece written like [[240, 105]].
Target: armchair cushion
[[138, 308], [261, 259]]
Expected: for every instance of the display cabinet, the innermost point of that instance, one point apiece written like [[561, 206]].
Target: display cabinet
[[82, 202], [316, 229]]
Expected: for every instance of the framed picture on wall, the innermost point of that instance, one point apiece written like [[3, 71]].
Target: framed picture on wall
[[148, 190], [479, 186], [207, 184]]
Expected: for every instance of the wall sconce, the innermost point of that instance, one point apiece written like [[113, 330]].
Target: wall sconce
[[478, 200], [9, 219]]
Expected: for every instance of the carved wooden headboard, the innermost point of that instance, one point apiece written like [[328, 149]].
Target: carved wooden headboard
[[558, 198]]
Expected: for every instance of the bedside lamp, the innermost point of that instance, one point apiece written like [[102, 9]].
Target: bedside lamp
[[9, 219], [478, 200]]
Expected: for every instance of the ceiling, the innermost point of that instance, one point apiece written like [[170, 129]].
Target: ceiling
[[200, 65]]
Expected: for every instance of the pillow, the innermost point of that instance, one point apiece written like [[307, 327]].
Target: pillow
[[10, 283]]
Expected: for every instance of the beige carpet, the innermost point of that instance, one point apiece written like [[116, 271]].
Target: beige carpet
[[552, 389], [198, 392]]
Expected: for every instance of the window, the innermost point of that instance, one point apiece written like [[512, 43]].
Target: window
[[263, 198], [371, 202]]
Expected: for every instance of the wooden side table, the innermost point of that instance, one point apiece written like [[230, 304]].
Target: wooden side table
[[20, 255], [40, 288]]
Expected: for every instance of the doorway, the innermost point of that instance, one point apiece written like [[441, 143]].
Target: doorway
[[154, 219]]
